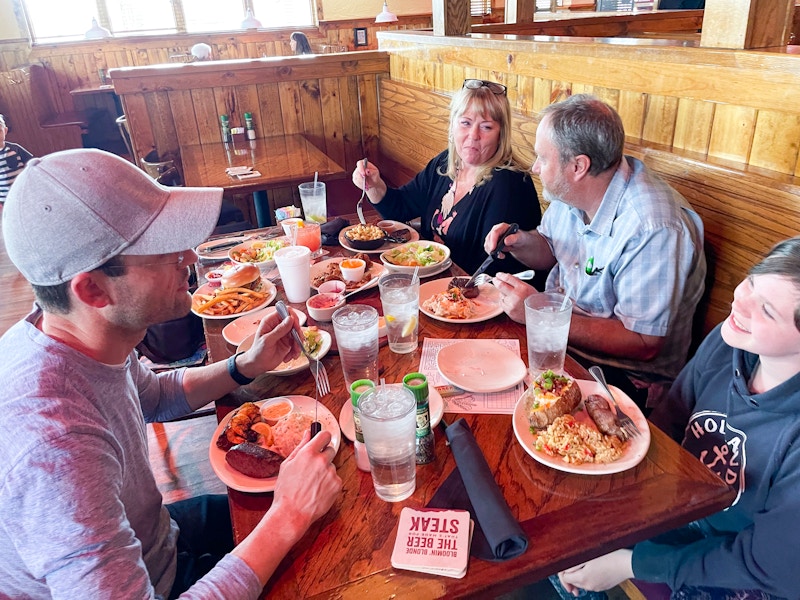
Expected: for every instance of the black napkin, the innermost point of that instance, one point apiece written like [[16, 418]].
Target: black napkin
[[330, 231], [497, 535]]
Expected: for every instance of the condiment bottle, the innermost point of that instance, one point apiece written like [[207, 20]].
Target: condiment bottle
[[226, 130], [248, 125], [417, 384], [357, 388]]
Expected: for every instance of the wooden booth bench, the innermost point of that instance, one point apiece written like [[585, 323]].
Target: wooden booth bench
[[745, 210]]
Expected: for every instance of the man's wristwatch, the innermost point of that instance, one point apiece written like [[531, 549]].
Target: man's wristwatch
[[233, 371]]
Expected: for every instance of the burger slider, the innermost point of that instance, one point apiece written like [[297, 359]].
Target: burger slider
[[242, 276]]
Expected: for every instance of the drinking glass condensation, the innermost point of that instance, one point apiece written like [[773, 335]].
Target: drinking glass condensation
[[294, 266], [356, 330], [400, 300], [312, 197], [388, 415], [547, 319]]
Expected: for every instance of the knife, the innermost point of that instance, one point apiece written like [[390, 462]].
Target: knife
[[501, 245], [221, 245]]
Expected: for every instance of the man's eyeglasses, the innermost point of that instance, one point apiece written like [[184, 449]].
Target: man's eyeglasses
[[494, 87]]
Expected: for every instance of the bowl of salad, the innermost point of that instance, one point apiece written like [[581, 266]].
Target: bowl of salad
[[430, 257], [258, 252]]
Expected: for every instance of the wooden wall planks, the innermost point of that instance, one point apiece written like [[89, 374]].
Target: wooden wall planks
[[729, 104]]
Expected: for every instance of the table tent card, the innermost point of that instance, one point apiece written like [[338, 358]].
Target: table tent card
[[433, 541]]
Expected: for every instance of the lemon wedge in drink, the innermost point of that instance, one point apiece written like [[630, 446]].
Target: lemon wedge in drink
[[389, 318], [409, 328]]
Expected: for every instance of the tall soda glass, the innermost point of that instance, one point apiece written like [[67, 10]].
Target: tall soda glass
[[400, 300], [356, 330], [313, 199], [388, 415]]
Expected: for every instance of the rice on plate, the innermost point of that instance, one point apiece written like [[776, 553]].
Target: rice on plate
[[289, 431], [577, 443]]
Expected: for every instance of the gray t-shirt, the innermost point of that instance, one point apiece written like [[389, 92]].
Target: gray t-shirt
[[80, 513]]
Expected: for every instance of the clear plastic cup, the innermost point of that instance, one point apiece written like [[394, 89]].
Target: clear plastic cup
[[356, 330], [312, 197], [547, 319], [388, 415]]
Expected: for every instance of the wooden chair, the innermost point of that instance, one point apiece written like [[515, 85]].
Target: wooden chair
[[45, 104]]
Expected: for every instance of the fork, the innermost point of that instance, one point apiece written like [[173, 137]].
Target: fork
[[523, 276], [317, 368], [359, 210], [625, 422]]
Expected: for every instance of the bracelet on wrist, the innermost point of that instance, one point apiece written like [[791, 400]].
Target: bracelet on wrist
[[234, 372]]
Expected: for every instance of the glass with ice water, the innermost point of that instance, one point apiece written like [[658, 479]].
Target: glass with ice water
[[388, 415], [547, 320], [312, 197], [356, 330], [400, 300]]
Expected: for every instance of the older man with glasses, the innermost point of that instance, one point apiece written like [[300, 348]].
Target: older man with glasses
[[107, 250], [467, 189]]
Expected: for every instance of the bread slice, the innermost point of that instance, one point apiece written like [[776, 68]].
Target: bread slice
[[550, 397]]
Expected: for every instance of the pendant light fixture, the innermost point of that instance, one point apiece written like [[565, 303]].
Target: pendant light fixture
[[385, 16]]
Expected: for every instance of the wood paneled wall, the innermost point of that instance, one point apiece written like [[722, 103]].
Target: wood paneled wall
[[76, 64], [736, 105]]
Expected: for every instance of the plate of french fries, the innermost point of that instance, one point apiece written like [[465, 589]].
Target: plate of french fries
[[221, 303]]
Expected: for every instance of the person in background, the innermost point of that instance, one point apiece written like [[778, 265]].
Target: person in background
[[299, 43], [13, 159], [470, 187], [736, 407], [620, 242], [108, 251]]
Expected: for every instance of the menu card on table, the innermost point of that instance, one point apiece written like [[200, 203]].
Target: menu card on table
[[433, 541], [494, 403]]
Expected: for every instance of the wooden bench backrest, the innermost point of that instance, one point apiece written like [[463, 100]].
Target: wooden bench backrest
[[745, 211]]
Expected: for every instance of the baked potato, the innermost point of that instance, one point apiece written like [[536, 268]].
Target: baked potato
[[550, 397]]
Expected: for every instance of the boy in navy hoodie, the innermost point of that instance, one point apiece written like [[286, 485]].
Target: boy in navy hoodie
[[736, 407]]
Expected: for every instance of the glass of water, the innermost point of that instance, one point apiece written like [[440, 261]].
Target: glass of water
[[356, 330], [547, 319], [388, 415], [400, 300]]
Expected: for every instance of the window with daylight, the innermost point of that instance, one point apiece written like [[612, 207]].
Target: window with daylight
[[478, 8], [57, 20]]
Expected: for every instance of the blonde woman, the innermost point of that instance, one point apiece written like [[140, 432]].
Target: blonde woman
[[474, 184]]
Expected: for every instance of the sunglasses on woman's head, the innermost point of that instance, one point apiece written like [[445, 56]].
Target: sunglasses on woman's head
[[495, 88]]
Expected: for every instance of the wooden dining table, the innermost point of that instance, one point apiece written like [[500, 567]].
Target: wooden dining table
[[568, 518], [281, 161]]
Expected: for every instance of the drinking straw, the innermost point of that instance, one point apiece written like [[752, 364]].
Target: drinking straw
[[564, 303], [415, 275], [316, 174]]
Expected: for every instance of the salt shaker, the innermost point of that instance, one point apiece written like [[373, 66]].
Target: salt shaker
[[248, 125], [356, 389], [417, 384]]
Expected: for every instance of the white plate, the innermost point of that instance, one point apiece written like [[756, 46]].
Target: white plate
[[635, 451], [435, 404], [298, 364], [235, 331], [480, 366], [413, 236], [267, 288], [239, 481], [265, 265], [487, 304], [376, 270], [220, 254]]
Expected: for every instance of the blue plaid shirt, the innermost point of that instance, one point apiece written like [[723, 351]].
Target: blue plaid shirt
[[645, 250]]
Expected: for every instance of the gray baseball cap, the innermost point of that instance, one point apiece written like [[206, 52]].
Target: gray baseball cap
[[69, 212]]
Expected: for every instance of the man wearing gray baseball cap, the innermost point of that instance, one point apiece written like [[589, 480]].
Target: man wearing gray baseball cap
[[107, 251]]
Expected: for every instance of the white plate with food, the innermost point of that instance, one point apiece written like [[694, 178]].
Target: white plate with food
[[258, 252], [634, 450], [218, 249], [399, 230], [426, 257], [435, 405], [233, 304], [244, 483], [317, 342], [236, 331], [486, 306], [480, 366], [327, 269]]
